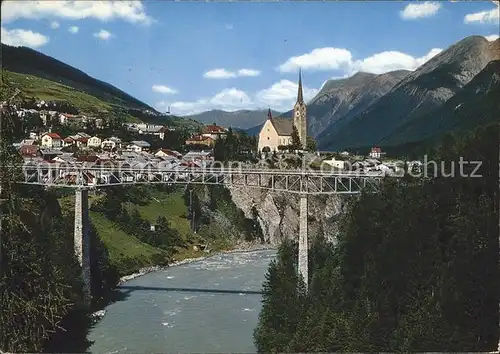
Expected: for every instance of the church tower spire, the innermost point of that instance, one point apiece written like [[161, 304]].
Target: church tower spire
[[300, 114], [300, 96]]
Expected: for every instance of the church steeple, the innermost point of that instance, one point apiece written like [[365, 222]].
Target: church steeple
[[269, 114], [300, 97]]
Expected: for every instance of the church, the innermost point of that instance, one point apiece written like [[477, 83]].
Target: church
[[278, 131]]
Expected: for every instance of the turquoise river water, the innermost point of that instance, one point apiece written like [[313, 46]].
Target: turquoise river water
[[207, 306]]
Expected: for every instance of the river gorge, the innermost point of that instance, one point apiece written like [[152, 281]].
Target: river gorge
[[210, 305]]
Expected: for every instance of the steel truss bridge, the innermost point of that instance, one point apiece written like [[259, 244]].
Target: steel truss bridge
[[82, 178], [310, 182]]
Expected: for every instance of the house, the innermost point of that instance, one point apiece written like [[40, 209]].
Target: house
[[65, 158], [28, 142], [213, 131], [64, 118], [161, 133], [200, 140], [28, 150], [138, 146], [68, 141], [81, 142], [34, 135], [376, 153], [49, 154], [197, 156], [275, 132], [111, 143], [51, 140], [338, 164], [108, 144], [83, 135], [167, 152], [94, 142], [99, 123]]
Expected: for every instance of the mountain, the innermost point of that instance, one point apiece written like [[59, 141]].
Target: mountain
[[28, 61], [417, 94], [242, 119], [45, 78], [343, 99], [476, 104]]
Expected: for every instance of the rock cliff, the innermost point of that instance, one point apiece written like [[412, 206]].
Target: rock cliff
[[278, 213]]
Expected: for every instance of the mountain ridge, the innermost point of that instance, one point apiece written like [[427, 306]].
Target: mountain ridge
[[25, 60], [419, 93]]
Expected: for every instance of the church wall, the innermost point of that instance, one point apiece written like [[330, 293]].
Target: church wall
[[268, 137]]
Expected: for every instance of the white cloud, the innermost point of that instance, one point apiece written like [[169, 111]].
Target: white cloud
[[318, 59], [73, 29], [283, 94], [341, 59], [54, 25], [248, 72], [420, 10], [163, 89], [280, 96], [103, 34], [230, 99], [484, 17], [229, 26], [221, 73], [492, 37], [20, 37], [391, 60], [131, 11]]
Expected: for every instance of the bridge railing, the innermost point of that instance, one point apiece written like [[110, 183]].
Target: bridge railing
[[299, 181]]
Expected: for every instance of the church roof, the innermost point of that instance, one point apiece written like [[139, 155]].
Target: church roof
[[283, 126]]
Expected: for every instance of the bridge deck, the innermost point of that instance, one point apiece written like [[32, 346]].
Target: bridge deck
[[294, 181]]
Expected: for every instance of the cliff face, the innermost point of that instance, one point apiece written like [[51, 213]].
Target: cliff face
[[278, 213]]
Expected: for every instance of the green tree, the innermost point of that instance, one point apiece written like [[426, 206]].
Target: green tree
[[311, 144], [296, 144]]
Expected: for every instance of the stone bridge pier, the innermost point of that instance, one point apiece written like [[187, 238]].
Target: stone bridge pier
[[303, 240], [82, 240]]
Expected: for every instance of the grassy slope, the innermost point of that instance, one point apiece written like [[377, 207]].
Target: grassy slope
[[47, 90], [130, 254], [126, 252]]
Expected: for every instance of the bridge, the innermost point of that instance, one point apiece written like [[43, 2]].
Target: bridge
[[84, 178]]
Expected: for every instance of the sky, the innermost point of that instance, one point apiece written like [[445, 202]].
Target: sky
[[194, 56]]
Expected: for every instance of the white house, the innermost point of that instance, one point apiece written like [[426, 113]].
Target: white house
[[338, 164], [139, 145], [94, 142], [214, 131], [65, 117], [108, 144], [376, 153], [51, 140], [168, 152]]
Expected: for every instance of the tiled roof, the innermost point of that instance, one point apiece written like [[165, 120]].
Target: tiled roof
[[53, 135], [283, 126]]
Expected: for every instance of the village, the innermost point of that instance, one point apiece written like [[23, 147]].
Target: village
[[45, 143]]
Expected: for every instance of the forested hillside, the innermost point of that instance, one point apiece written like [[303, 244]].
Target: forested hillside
[[415, 268]]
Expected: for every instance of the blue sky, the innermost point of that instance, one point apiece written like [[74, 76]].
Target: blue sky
[[196, 56]]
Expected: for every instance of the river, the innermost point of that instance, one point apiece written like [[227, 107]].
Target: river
[[208, 306]]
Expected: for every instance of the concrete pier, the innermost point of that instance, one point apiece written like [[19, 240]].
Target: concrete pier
[[82, 239], [303, 240]]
